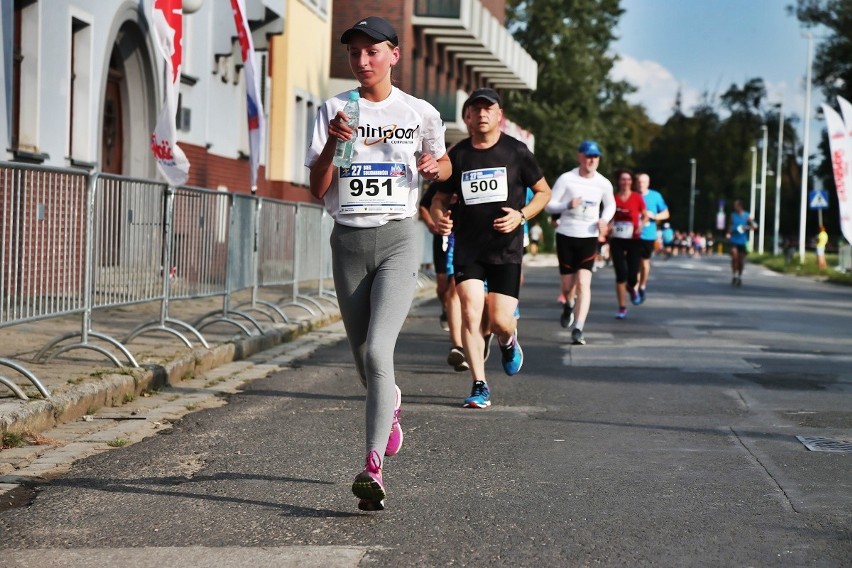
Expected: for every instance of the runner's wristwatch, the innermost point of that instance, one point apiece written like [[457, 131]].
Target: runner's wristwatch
[[523, 217]]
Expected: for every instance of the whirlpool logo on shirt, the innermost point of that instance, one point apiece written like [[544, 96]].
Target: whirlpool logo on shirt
[[391, 134]]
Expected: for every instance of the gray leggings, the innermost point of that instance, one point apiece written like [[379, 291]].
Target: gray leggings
[[375, 275]]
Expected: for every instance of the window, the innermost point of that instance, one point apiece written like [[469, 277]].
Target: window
[[25, 86], [304, 116], [80, 90]]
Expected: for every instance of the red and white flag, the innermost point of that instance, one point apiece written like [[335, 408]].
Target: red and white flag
[[840, 146], [254, 106], [167, 20]]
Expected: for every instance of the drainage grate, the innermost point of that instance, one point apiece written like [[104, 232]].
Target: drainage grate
[[820, 444]]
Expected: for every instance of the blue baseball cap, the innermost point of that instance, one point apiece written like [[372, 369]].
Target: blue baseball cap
[[589, 148]]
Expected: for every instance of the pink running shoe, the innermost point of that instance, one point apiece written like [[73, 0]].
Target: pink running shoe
[[395, 438], [368, 486]]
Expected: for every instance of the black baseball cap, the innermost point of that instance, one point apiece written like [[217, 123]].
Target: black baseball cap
[[375, 27], [489, 95]]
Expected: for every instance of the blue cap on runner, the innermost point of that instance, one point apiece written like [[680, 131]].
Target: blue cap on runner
[[590, 148]]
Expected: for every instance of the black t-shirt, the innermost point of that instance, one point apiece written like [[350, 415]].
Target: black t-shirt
[[475, 237], [426, 198]]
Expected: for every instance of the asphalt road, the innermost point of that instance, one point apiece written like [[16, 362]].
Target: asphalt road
[[668, 440]]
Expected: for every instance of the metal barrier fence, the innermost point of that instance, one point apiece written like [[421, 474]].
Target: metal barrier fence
[[74, 242]]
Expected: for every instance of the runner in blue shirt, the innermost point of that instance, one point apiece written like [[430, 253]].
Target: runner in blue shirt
[[741, 224], [657, 210]]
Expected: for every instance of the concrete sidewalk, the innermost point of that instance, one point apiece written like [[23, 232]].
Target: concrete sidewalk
[[83, 380]]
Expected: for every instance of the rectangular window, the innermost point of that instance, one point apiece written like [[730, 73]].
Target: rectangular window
[[79, 122], [304, 116], [25, 84]]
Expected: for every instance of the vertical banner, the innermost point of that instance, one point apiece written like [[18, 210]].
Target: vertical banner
[[846, 201], [254, 106], [840, 146], [167, 29]]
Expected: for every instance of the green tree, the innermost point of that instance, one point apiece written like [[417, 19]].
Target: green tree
[[832, 69], [576, 98], [719, 135]]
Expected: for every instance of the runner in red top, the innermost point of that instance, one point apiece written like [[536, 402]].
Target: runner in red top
[[625, 244]]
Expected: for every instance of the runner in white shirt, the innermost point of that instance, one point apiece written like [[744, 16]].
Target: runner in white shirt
[[577, 197], [373, 203]]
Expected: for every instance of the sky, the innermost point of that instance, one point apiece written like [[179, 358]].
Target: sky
[[708, 45]]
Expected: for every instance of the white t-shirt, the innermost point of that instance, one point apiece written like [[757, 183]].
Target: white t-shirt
[[581, 221], [382, 183]]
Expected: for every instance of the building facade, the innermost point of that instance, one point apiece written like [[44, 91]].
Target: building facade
[[83, 81]]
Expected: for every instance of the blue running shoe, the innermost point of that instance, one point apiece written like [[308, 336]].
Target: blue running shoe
[[641, 295], [480, 396], [517, 312], [634, 297], [513, 356]]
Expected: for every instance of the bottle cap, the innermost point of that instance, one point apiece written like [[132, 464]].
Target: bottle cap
[[354, 96]]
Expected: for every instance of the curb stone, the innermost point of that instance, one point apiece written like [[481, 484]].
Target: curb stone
[[111, 388]]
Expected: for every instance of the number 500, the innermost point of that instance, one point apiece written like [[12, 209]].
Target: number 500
[[483, 185]]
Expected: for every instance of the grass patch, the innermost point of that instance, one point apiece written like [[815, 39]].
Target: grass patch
[[113, 371], [128, 397], [191, 407], [13, 440], [76, 380], [36, 439], [808, 268], [118, 443]]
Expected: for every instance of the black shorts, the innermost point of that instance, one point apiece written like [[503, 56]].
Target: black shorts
[[439, 254], [626, 260], [646, 248], [575, 253], [742, 249], [502, 278]]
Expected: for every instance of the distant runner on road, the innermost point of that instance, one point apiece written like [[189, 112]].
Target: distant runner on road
[[577, 198], [656, 210], [741, 224]]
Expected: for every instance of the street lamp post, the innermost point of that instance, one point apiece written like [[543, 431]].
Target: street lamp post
[[803, 207], [692, 163], [762, 225], [776, 246], [753, 189]]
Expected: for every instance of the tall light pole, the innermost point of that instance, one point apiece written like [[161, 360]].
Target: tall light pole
[[803, 207], [762, 226], [776, 246], [692, 163], [753, 189]]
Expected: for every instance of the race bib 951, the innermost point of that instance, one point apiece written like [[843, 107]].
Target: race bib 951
[[373, 188]]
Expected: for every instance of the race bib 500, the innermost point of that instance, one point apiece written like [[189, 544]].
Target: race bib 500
[[487, 185]]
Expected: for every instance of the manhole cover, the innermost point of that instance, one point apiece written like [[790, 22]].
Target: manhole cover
[[820, 444]]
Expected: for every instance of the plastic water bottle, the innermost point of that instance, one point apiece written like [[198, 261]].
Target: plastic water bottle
[[343, 151]]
